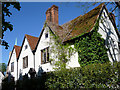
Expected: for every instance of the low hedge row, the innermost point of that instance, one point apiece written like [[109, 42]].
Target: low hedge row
[[90, 76]]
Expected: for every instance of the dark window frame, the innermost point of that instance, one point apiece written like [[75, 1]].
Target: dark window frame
[[25, 62], [46, 35], [45, 55], [26, 46], [12, 67]]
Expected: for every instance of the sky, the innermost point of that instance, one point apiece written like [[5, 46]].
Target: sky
[[30, 20]]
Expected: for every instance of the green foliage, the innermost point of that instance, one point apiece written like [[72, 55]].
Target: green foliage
[[8, 85], [95, 75], [90, 76], [3, 67], [64, 79], [32, 84], [36, 83], [91, 48], [6, 25], [61, 52]]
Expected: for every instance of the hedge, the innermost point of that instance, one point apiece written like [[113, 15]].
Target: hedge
[[90, 76]]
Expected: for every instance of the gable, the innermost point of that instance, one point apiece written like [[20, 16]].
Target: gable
[[31, 42], [12, 56], [24, 49], [45, 27], [15, 52]]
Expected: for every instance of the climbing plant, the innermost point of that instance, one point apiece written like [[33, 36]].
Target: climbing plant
[[60, 53], [91, 48]]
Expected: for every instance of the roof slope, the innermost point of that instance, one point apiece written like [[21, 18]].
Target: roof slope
[[57, 29], [32, 41], [17, 50], [78, 26]]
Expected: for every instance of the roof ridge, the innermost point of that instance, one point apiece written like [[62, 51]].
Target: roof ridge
[[17, 45], [30, 35]]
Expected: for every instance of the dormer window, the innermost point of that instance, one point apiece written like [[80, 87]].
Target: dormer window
[[46, 35], [26, 47]]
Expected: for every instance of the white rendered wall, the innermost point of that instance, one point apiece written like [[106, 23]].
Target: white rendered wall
[[13, 59], [24, 53], [73, 60], [43, 43], [107, 30]]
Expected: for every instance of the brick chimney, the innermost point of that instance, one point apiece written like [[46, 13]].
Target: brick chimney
[[52, 14]]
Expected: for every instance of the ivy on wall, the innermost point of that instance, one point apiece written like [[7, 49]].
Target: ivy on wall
[[61, 52], [91, 48]]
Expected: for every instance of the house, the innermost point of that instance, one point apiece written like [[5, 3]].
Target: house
[[26, 57], [43, 47], [12, 67], [35, 52], [107, 29]]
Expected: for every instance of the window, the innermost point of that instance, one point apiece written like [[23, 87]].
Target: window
[[46, 35], [26, 47], [12, 67], [45, 55], [25, 62]]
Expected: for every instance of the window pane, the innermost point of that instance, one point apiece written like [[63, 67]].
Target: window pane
[[46, 35], [48, 54], [25, 62], [12, 66], [44, 57], [26, 46]]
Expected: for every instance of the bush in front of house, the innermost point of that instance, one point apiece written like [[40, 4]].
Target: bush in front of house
[[90, 76], [36, 83], [95, 75], [67, 78], [8, 85]]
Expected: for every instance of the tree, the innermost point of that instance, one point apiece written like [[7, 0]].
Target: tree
[[6, 25], [3, 67]]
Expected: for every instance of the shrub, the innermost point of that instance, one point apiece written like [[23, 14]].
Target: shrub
[[96, 75], [90, 76], [8, 85], [32, 84]]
